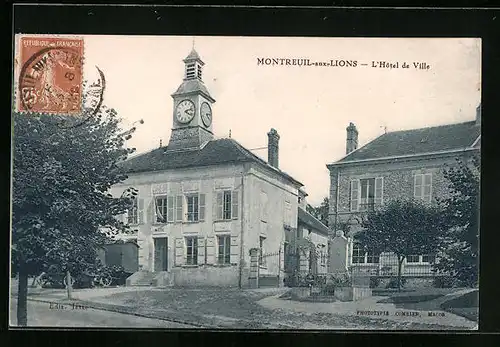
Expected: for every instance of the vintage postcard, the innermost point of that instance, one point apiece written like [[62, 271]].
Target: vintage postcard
[[223, 182]]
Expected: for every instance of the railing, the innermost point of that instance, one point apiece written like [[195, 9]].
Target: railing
[[388, 264]]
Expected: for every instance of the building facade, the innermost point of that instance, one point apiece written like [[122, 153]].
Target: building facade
[[399, 164], [203, 203]]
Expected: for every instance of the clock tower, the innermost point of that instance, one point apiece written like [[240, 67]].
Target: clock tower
[[192, 114]]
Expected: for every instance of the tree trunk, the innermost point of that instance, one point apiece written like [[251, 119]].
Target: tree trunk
[[400, 265], [69, 287], [22, 299]]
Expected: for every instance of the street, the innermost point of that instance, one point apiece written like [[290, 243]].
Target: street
[[42, 315]]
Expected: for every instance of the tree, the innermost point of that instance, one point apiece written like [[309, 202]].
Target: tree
[[402, 227], [459, 245], [60, 199], [320, 212]]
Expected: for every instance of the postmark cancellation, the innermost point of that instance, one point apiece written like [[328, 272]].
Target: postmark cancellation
[[51, 74]]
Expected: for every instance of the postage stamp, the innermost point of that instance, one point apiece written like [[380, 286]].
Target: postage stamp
[[51, 75]]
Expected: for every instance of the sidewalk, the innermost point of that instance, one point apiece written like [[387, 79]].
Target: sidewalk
[[267, 311], [370, 308]]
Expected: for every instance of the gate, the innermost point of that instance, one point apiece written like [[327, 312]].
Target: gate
[[270, 269]]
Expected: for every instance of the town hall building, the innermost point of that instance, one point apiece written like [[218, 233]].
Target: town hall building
[[204, 203]]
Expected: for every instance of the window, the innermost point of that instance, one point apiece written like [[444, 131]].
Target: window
[[191, 250], [161, 210], [224, 254], [366, 193], [262, 259], [227, 205], [423, 186], [428, 258], [372, 258], [412, 259], [361, 256], [168, 209], [358, 255], [133, 213], [192, 208], [226, 213]]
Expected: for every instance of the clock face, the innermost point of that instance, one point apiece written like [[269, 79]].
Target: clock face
[[185, 111], [206, 114]]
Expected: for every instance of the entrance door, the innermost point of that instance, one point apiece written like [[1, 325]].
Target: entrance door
[[161, 254]]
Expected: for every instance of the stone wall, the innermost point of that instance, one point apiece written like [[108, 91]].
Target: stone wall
[[206, 276], [398, 182]]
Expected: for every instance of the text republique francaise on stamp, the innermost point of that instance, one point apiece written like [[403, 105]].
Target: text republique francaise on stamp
[[50, 79]]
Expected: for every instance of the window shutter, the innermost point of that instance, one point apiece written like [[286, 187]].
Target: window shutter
[[140, 211], [179, 208], [234, 256], [219, 205], [379, 190], [354, 195], [179, 251], [235, 204], [151, 211], [427, 187], [210, 250], [417, 191], [170, 208], [202, 207], [201, 250]]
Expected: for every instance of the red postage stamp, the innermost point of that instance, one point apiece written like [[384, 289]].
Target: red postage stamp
[[50, 79]]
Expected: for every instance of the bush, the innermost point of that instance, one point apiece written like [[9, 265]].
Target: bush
[[374, 282], [444, 282], [393, 283]]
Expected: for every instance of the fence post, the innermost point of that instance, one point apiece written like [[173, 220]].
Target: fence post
[[253, 278]]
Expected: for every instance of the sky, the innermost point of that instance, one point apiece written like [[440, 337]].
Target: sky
[[310, 107]]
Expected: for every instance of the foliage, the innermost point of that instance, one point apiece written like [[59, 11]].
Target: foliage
[[394, 282], [402, 227], [340, 280], [459, 246], [375, 281], [320, 212], [444, 282], [60, 199]]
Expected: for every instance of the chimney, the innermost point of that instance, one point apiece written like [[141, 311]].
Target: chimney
[[273, 147], [352, 138], [478, 114]]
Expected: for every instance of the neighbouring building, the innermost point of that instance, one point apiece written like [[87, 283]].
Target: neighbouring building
[[397, 164], [204, 203]]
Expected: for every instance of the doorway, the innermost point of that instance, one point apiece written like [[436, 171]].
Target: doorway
[[161, 254]]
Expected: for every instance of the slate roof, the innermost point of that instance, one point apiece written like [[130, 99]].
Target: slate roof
[[215, 152], [193, 55], [194, 85], [418, 141], [309, 220]]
